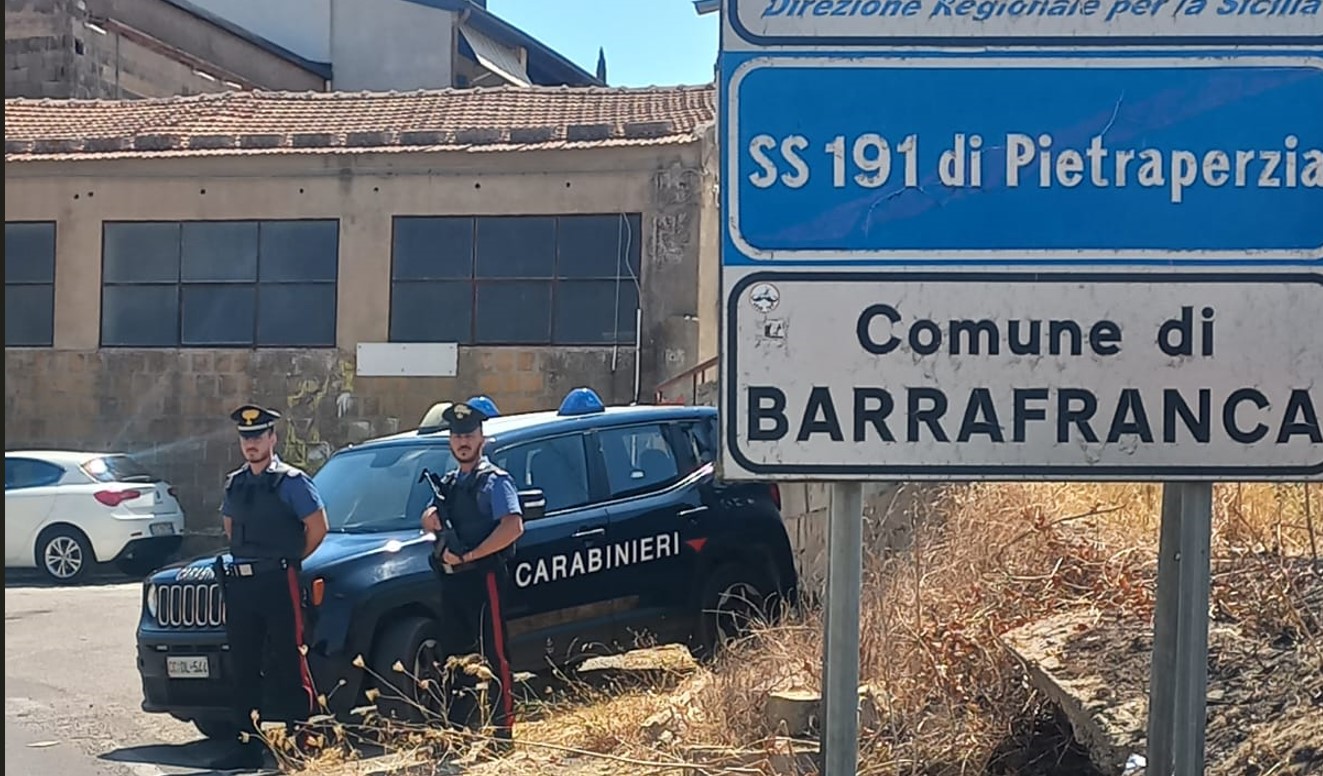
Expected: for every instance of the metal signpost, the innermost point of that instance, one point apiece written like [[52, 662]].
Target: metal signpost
[[1024, 239]]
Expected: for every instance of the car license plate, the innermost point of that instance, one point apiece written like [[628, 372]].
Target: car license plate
[[162, 529], [196, 667]]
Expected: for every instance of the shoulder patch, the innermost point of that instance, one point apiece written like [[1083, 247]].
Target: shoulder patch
[[287, 470], [489, 469]]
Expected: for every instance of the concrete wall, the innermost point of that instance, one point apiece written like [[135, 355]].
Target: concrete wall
[[171, 405], [709, 284], [380, 45], [137, 48], [221, 52], [119, 65], [302, 26], [890, 512]]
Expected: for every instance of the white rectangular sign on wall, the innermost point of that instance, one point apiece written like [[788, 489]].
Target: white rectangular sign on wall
[[407, 359]]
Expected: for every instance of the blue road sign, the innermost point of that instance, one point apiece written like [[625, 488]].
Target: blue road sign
[[1024, 157]]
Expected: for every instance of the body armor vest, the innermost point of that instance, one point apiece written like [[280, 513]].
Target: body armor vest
[[264, 526], [470, 523]]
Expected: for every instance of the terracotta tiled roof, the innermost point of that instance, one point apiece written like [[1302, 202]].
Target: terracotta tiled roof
[[246, 122]]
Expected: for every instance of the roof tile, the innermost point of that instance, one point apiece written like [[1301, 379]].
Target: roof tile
[[245, 122]]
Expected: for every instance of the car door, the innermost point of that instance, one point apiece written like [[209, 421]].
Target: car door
[[30, 491], [654, 511], [559, 609]]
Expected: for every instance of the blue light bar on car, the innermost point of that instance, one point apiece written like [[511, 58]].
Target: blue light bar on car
[[581, 401], [485, 405]]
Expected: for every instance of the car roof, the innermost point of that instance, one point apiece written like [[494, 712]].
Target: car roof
[[62, 457], [531, 425]]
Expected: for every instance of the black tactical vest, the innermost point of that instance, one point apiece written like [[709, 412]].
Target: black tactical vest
[[462, 504], [264, 526]]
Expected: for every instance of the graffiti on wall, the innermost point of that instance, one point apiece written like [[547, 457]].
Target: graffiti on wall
[[307, 444], [676, 192]]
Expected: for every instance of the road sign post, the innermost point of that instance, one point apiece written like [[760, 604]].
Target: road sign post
[[1024, 240], [840, 669]]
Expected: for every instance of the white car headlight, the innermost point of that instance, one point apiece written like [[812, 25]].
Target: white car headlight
[[151, 599]]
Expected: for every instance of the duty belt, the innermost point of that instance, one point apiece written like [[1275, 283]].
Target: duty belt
[[251, 568]]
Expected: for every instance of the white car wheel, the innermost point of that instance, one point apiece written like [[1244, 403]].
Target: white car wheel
[[64, 555]]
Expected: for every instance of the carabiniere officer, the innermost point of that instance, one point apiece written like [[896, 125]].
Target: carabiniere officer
[[274, 519], [482, 505]]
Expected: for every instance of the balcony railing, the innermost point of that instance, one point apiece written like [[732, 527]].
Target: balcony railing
[[683, 388]]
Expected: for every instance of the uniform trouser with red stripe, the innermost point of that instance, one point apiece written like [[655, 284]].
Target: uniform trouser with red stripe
[[264, 621], [473, 619]]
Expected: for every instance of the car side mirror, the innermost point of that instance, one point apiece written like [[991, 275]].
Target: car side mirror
[[534, 503]]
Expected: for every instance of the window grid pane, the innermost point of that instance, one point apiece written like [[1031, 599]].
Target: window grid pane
[[30, 315], [29, 252], [432, 248], [587, 266], [230, 293], [141, 252], [29, 284]]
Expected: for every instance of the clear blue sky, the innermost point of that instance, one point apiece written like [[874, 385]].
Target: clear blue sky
[[647, 42]]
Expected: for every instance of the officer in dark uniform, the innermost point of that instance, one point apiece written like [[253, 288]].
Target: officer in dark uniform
[[482, 506], [274, 518]]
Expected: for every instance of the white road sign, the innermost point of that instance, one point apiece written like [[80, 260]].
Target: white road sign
[[842, 375]]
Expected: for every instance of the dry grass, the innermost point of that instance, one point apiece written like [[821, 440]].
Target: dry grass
[[985, 558]]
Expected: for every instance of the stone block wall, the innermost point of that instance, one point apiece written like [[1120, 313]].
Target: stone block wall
[[171, 407], [40, 47], [50, 51]]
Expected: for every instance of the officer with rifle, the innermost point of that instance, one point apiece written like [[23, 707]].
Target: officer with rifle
[[477, 517]]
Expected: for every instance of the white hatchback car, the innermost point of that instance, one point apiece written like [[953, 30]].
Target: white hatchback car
[[67, 511]]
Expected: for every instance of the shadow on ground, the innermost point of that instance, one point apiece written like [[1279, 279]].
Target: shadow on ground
[[195, 754], [31, 578]]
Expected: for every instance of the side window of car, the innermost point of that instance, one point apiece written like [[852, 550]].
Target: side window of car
[[698, 439], [557, 465], [638, 459], [26, 473]]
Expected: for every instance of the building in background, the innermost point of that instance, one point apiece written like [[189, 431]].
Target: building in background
[[126, 49], [349, 258]]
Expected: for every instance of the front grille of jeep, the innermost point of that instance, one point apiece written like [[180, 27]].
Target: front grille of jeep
[[190, 605]]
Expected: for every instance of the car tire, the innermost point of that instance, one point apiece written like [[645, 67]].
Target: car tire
[[64, 555], [218, 728], [416, 643], [733, 597]]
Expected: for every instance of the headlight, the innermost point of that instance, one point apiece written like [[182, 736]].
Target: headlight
[[151, 599]]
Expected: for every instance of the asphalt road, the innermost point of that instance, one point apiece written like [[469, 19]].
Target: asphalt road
[[71, 687]]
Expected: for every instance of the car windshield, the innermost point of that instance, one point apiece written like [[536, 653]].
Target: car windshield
[[118, 468], [377, 489]]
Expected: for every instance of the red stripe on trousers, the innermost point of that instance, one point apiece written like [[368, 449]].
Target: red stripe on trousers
[[304, 674], [507, 685]]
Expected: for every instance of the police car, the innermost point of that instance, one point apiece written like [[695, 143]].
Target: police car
[[628, 535]]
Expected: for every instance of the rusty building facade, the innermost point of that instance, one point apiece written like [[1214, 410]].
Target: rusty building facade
[[347, 258]]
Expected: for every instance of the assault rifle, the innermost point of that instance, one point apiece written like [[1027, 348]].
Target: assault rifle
[[448, 538]]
